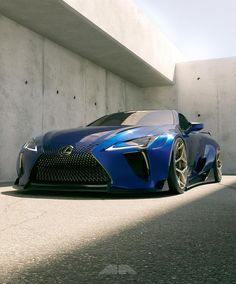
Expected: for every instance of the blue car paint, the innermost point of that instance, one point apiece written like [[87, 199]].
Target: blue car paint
[[198, 145]]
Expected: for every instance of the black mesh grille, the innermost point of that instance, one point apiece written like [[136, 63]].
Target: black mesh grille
[[78, 168]]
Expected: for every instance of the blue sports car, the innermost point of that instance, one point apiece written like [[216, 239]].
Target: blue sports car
[[122, 152]]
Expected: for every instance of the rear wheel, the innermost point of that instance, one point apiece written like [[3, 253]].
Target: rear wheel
[[218, 166], [178, 172]]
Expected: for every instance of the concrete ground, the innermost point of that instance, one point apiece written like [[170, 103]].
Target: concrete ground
[[88, 238]]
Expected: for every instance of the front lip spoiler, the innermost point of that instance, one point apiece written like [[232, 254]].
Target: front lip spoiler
[[67, 187], [104, 188]]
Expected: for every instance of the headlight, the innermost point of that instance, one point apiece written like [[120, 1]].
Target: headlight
[[31, 145], [140, 143]]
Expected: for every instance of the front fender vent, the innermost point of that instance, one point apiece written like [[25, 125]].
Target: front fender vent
[[139, 163]]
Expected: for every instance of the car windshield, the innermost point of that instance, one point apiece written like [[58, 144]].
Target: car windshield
[[136, 118]]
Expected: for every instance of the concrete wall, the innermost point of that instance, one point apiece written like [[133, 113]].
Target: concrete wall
[[206, 88], [123, 21], [44, 87], [159, 98]]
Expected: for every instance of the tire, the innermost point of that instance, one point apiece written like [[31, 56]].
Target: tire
[[218, 166], [178, 171]]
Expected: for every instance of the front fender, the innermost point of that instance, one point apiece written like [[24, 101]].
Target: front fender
[[160, 157]]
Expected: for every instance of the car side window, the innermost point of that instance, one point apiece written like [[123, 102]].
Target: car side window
[[183, 122]]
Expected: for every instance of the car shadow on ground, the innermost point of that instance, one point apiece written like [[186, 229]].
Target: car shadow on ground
[[69, 195]]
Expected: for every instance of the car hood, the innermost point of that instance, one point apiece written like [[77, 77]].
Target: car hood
[[98, 134]]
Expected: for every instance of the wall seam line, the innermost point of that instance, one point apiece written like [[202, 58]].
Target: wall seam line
[[43, 86]]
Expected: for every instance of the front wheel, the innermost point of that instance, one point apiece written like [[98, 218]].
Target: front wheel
[[218, 166], [178, 172]]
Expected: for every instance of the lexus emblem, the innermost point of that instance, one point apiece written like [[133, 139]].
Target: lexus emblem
[[66, 151]]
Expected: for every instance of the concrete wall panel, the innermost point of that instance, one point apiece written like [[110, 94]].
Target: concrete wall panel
[[133, 95], [64, 91], [159, 98], [20, 91], [95, 91], [115, 93], [208, 88], [197, 95]]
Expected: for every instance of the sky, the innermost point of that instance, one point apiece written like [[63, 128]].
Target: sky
[[202, 29]]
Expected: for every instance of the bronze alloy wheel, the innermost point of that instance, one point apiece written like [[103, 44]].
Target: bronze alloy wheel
[[178, 168], [181, 164], [218, 166]]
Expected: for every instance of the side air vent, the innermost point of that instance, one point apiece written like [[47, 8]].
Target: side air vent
[[139, 164]]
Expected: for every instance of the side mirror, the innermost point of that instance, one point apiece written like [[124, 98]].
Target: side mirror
[[195, 126]]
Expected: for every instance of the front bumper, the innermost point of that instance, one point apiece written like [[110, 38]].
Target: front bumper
[[129, 171]]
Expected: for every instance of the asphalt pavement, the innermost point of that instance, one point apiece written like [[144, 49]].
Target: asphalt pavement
[[49, 237]]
